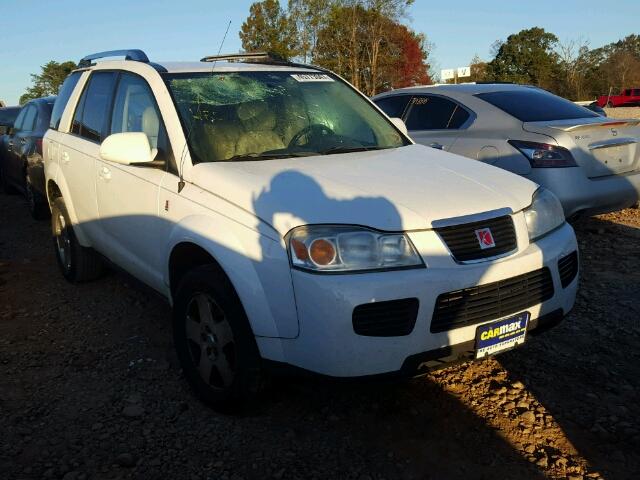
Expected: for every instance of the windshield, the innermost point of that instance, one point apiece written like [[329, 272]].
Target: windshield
[[259, 115], [535, 105]]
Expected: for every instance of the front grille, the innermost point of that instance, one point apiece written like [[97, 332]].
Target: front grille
[[568, 268], [392, 318], [464, 244], [491, 301]]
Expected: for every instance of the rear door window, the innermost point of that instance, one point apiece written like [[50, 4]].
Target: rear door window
[[20, 120], [535, 105], [29, 119], [63, 98], [90, 119], [427, 112], [393, 105]]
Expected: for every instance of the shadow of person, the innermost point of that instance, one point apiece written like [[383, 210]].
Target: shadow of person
[[295, 195]]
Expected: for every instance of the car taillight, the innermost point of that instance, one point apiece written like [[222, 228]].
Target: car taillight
[[39, 145], [543, 155]]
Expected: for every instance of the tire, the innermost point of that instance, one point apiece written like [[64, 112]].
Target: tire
[[77, 263], [5, 186], [37, 204], [214, 342], [609, 104]]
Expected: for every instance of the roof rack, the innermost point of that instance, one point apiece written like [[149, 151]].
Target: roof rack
[[261, 56], [132, 54], [268, 58]]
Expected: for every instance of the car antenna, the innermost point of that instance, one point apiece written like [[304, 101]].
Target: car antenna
[[184, 150]]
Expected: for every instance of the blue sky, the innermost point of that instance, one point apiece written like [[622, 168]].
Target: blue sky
[[189, 29]]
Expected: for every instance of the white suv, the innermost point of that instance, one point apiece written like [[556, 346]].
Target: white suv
[[291, 223]]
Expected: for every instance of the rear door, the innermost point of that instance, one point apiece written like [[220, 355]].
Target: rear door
[[434, 120], [21, 145], [80, 150]]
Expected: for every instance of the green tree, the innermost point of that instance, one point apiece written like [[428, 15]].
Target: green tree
[[614, 66], [358, 42], [307, 18], [48, 81], [267, 28], [526, 57]]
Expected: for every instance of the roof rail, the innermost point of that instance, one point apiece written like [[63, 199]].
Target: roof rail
[[132, 54], [264, 56]]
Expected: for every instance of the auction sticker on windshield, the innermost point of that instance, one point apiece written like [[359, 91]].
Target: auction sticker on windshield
[[311, 77], [501, 335]]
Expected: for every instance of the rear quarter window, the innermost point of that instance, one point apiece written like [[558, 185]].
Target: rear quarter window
[[535, 105], [63, 98]]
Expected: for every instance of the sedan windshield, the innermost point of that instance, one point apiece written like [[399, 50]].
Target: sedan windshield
[[235, 116]]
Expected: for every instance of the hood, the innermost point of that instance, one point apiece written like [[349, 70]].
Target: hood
[[405, 188]]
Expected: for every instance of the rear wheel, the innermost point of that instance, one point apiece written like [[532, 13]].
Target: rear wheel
[[214, 342], [5, 186], [37, 203], [77, 263]]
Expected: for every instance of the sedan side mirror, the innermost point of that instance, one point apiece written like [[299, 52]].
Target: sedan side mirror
[[127, 148], [400, 125]]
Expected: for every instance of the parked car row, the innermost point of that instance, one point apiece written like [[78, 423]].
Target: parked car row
[[292, 225], [21, 166], [591, 163]]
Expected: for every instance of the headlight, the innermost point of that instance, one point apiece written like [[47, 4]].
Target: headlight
[[544, 214], [341, 248]]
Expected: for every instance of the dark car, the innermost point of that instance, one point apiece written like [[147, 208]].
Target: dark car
[[594, 107], [21, 167], [8, 115]]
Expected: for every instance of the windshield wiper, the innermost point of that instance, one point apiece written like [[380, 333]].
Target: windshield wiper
[[251, 157], [345, 149]]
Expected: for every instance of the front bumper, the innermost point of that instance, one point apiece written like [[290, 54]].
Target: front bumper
[[327, 343], [581, 195]]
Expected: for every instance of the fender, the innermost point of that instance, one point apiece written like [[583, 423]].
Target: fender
[[53, 173], [257, 266]]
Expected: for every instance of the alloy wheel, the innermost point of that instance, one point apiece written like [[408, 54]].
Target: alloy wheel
[[211, 341]]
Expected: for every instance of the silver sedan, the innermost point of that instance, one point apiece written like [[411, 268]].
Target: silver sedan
[[591, 163]]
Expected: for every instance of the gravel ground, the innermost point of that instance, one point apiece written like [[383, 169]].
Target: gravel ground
[[90, 389], [623, 112]]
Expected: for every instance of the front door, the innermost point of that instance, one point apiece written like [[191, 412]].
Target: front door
[[128, 194]]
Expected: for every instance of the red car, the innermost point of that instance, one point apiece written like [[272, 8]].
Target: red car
[[627, 98]]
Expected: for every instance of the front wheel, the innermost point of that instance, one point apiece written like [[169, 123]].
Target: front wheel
[[214, 342], [77, 263]]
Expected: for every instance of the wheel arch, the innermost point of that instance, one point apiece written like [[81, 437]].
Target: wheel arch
[[194, 242]]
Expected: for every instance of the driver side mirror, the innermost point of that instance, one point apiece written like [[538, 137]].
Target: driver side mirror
[[400, 125], [127, 148]]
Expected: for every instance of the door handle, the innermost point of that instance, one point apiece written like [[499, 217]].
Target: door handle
[[105, 173], [437, 146], [65, 157]]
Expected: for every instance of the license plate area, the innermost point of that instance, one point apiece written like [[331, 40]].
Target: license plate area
[[501, 335]]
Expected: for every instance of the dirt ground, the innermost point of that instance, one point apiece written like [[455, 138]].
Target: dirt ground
[[90, 388], [623, 112]]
